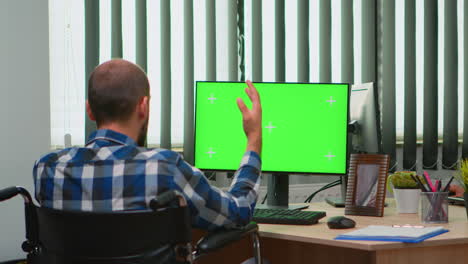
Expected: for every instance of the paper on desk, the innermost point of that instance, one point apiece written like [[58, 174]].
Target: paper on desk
[[394, 234], [389, 231]]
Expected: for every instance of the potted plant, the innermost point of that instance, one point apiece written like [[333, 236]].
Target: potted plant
[[406, 191], [462, 177]]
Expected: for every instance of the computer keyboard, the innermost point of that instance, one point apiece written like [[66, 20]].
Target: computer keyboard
[[287, 216]]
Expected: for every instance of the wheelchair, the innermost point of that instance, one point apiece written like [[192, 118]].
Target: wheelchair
[[161, 234]]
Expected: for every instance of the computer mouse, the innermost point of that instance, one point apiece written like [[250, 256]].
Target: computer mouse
[[340, 222]]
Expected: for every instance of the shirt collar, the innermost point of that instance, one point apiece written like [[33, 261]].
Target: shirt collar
[[110, 135]]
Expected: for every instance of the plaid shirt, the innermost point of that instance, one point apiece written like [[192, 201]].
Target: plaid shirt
[[112, 173]]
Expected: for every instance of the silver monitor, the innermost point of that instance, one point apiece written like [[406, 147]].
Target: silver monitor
[[364, 112]]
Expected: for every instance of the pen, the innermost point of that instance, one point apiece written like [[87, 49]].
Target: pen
[[429, 182], [447, 187], [438, 185], [424, 181], [421, 185]]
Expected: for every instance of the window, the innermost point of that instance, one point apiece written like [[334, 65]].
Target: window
[[66, 38], [67, 61], [67, 56], [400, 67]]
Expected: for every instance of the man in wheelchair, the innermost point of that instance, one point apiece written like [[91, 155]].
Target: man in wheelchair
[[111, 200], [114, 171]]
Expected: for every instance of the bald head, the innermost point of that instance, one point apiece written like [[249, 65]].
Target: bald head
[[114, 89]]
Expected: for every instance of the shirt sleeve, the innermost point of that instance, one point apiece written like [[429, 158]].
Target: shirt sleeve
[[212, 208]]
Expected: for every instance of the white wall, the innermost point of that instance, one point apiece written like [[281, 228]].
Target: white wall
[[24, 108]]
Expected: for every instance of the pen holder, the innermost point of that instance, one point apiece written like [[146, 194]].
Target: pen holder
[[434, 207]]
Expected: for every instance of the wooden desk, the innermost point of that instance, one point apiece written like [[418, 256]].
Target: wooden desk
[[315, 243]]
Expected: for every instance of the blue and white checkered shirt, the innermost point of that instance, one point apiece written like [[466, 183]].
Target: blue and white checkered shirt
[[112, 173]]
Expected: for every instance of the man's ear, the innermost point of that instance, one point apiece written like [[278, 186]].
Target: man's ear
[[89, 112], [143, 107]]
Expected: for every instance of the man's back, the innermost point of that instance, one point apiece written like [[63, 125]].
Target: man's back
[[112, 173]]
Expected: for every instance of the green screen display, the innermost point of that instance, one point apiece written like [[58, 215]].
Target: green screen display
[[304, 126]]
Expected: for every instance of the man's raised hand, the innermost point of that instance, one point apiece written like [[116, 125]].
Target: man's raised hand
[[252, 118]]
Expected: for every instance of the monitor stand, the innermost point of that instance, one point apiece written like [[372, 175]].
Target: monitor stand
[[339, 201], [278, 194]]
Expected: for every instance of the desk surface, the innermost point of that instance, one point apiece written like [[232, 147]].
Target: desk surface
[[321, 234]]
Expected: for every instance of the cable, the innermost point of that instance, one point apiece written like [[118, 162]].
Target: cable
[[327, 186], [210, 174], [393, 167], [309, 199]]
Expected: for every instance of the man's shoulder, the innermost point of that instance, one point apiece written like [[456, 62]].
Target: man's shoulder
[[51, 156], [157, 154], [125, 152]]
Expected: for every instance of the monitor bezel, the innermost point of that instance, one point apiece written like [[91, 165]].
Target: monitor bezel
[[275, 172]]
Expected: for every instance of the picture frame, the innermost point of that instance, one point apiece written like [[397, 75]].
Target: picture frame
[[367, 178]]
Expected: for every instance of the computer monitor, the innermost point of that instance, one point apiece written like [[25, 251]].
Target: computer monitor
[[364, 109], [304, 129], [364, 128]]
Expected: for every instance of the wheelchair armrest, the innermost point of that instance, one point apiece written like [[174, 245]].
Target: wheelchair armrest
[[219, 239], [12, 191], [166, 198], [8, 193]]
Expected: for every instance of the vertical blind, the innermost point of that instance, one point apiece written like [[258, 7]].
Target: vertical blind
[[430, 80], [412, 50], [421, 72]]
